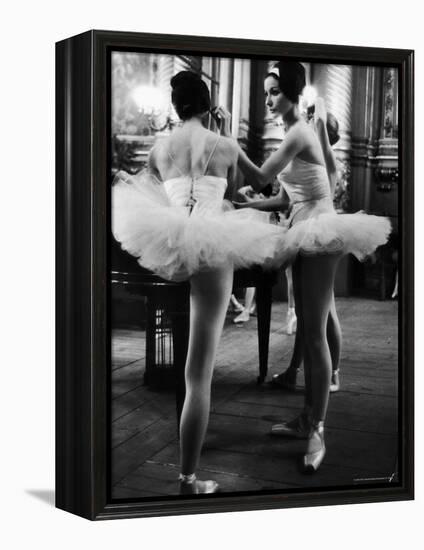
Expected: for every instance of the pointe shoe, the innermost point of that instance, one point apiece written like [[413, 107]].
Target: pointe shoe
[[243, 317], [291, 320], [298, 428], [236, 305], [335, 381], [189, 485], [285, 380], [315, 451]]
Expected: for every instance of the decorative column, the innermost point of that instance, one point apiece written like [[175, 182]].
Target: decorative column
[[236, 93], [273, 128], [226, 80], [334, 84], [376, 164], [241, 100], [387, 170], [365, 133], [210, 71]]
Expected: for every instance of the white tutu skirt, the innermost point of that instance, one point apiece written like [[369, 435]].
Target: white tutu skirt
[[175, 244], [316, 228]]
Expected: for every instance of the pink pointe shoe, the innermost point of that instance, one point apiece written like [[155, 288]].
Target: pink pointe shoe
[[190, 485]]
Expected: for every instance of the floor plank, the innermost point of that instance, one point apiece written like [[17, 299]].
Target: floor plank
[[361, 428]]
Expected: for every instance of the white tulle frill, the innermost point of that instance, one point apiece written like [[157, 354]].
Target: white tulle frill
[[331, 233], [175, 244]]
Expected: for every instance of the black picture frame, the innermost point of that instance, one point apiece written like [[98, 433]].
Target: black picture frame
[[82, 221]]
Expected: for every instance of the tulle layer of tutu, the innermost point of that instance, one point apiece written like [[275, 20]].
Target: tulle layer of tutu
[[175, 244], [331, 233]]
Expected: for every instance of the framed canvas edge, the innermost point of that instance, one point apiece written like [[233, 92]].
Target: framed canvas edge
[[81, 261]]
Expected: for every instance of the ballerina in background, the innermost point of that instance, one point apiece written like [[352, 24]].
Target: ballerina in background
[[317, 237], [174, 221], [288, 378], [249, 307]]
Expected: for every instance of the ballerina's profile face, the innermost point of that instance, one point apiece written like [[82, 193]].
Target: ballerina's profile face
[[275, 100]]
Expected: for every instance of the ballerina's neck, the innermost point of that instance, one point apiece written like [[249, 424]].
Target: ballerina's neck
[[192, 123], [291, 117]]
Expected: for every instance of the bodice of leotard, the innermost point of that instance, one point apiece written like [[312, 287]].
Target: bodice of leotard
[[305, 181], [203, 193], [200, 193]]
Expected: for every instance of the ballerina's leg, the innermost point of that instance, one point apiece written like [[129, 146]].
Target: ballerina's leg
[[287, 379], [209, 295], [295, 299], [317, 275], [317, 284], [334, 337]]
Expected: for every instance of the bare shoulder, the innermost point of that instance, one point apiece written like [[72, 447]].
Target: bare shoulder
[[228, 147], [159, 150], [300, 131]]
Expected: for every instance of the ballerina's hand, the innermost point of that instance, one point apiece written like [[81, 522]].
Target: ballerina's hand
[[223, 119], [320, 110], [243, 193]]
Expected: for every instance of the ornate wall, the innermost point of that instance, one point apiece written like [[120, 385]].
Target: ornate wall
[[134, 129], [365, 100]]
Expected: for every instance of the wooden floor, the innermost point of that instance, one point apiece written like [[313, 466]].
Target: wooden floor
[[361, 428]]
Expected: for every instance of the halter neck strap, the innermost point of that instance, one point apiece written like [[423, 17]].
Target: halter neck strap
[[174, 162], [211, 155]]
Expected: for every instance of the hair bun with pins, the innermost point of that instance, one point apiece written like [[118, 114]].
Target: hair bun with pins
[[190, 95], [332, 129]]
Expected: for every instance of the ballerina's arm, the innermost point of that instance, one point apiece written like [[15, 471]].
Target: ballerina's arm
[[320, 119], [152, 164], [232, 170], [259, 177], [273, 204]]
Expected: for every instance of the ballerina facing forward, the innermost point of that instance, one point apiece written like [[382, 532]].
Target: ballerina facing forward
[[327, 136], [317, 237]]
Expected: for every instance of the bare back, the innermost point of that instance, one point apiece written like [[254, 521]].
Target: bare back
[[194, 151]]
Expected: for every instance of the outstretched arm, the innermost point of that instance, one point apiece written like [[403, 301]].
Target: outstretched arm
[[259, 177], [273, 204]]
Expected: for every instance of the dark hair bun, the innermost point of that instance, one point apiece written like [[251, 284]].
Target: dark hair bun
[[332, 129], [332, 124], [291, 78], [190, 95], [183, 78]]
